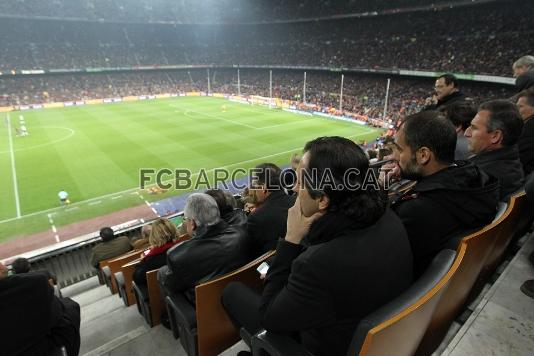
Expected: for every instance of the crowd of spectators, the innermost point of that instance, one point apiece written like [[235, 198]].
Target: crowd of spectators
[[363, 95], [191, 11], [436, 40]]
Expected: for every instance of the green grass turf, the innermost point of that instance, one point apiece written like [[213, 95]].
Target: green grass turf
[[97, 150]]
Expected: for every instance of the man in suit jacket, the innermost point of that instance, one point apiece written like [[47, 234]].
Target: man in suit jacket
[[340, 241], [110, 246], [525, 104], [267, 223]]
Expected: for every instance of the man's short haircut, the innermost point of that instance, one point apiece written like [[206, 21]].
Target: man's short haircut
[[339, 156], [460, 114], [203, 209], [528, 95], [107, 234], [527, 61], [267, 174], [504, 117], [221, 199], [432, 130], [449, 78], [21, 265]]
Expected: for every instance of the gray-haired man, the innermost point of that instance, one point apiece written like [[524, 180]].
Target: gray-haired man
[[215, 248]]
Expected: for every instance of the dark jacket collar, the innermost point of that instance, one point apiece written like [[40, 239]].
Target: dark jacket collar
[[507, 153], [457, 95], [205, 232], [463, 189]]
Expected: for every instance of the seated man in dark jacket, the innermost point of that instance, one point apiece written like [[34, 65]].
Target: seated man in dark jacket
[[492, 138], [34, 321], [215, 248], [525, 104], [449, 199], [227, 207], [267, 223], [345, 254]]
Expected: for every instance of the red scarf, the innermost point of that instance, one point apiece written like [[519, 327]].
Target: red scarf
[[160, 249]]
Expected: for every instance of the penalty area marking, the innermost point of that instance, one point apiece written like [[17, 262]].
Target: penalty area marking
[[134, 191]]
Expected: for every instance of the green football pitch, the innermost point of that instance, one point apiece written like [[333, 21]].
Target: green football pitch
[[94, 152]]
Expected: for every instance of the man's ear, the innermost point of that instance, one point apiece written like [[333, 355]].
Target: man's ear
[[496, 137], [423, 155], [324, 202]]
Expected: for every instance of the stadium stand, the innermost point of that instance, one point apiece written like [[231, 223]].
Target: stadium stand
[[499, 32], [75, 50]]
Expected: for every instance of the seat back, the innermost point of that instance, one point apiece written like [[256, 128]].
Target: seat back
[[105, 271], [155, 298], [215, 331], [477, 246], [128, 270], [510, 222], [397, 327], [116, 264]]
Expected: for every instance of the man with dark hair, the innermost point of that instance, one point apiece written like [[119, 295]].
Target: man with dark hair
[[524, 73], [23, 265], [525, 104], [447, 92], [227, 208], [460, 114], [110, 246], [345, 254], [493, 137], [268, 222], [449, 198], [34, 321]]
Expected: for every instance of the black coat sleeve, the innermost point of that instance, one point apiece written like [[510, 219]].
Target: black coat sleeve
[[255, 234], [526, 147], [295, 296]]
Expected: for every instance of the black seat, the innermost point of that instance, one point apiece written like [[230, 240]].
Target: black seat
[[183, 320], [119, 278], [266, 343], [143, 303]]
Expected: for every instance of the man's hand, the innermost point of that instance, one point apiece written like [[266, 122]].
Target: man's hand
[[298, 225], [389, 172]]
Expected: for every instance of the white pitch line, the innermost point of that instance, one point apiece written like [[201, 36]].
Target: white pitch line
[[95, 202], [54, 229], [117, 197], [133, 191], [13, 168]]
